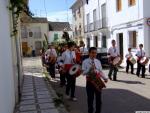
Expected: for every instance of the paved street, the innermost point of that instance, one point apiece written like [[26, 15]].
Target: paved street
[[36, 96], [127, 95]]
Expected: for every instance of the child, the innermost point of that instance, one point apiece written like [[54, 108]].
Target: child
[[87, 65], [129, 63]]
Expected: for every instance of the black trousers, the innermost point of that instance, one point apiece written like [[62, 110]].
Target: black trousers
[[62, 78], [129, 64], [71, 81], [91, 91], [51, 69], [139, 68], [113, 69]]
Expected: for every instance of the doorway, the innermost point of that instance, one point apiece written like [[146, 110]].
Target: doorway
[[120, 44], [96, 41], [88, 42]]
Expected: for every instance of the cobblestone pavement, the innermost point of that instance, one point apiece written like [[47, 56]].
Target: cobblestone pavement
[[36, 96]]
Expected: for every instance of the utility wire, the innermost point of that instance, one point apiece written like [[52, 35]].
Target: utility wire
[[67, 11], [45, 8]]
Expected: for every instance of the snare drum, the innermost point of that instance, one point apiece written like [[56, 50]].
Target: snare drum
[[144, 60], [75, 70]]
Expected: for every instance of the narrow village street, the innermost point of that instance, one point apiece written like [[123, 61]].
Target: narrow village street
[[127, 95], [37, 96], [44, 44]]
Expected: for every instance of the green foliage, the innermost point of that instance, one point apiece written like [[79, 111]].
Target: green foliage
[[17, 7]]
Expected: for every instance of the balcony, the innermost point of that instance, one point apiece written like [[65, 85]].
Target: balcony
[[87, 28], [104, 22], [91, 27], [96, 25]]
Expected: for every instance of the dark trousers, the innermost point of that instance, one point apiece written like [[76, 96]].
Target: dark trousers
[[113, 69], [129, 64], [71, 81], [62, 78], [91, 91], [139, 67], [51, 69]]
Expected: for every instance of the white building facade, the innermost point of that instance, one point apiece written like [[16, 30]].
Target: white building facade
[[128, 24], [33, 34], [78, 21], [95, 23]]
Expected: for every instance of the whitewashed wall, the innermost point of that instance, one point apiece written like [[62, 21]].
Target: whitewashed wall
[[127, 14], [7, 87]]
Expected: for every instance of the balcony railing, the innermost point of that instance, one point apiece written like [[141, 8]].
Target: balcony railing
[[91, 27], [104, 22], [98, 24]]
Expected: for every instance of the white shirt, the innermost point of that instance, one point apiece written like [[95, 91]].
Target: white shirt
[[87, 64], [140, 53], [68, 57], [128, 55], [51, 52], [113, 51]]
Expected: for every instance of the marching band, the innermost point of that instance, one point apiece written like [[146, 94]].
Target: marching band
[[71, 65]]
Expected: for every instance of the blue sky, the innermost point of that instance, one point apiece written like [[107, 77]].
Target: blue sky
[[57, 10]]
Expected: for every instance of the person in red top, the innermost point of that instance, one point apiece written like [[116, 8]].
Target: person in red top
[[78, 55]]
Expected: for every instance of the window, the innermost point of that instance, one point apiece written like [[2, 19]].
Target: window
[[24, 32], [55, 37], [104, 42], [88, 21], [132, 2], [79, 12], [37, 32], [132, 39], [119, 5], [94, 18], [30, 34], [74, 15]]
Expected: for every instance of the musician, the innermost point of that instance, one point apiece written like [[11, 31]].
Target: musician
[[51, 57], [69, 59], [61, 71], [129, 63], [140, 54], [88, 64], [112, 54]]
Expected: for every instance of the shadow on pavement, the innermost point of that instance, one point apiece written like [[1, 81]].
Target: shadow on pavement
[[114, 100], [130, 82]]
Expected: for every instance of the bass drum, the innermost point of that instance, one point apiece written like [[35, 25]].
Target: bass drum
[[144, 61], [117, 61], [75, 70], [132, 60]]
